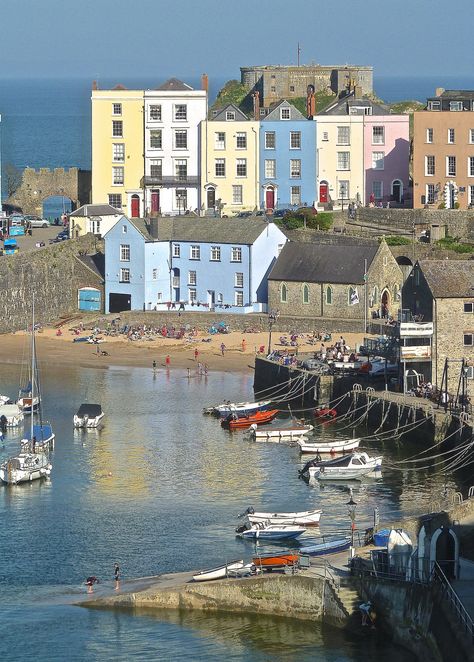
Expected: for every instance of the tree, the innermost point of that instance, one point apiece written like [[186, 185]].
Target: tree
[[13, 178]]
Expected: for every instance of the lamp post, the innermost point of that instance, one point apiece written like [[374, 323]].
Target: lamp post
[[272, 318], [351, 507]]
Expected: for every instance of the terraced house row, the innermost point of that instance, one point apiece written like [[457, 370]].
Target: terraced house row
[[161, 152]]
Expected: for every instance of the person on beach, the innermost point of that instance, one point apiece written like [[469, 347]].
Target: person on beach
[[244, 345], [205, 369], [222, 349], [154, 366], [117, 576], [90, 581], [196, 354], [168, 361]]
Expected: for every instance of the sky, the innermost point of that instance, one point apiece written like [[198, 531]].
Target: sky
[[142, 38]]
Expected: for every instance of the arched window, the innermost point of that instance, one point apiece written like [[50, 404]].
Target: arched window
[[353, 296], [329, 295], [283, 293], [305, 293]]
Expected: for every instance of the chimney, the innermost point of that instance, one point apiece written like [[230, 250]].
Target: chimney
[[94, 85], [439, 91], [205, 82], [256, 105], [154, 228]]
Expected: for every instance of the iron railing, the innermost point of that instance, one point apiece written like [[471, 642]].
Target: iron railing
[[449, 594], [168, 181]]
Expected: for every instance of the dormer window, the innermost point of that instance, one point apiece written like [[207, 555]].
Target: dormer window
[[230, 116], [455, 105], [284, 113]]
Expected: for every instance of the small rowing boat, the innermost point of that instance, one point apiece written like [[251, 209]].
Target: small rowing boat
[[241, 408], [325, 413], [268, 531], [326, 547], [235, 422], [332, 447], [291, 433], [302, 518], [221, 572], [273, 561]]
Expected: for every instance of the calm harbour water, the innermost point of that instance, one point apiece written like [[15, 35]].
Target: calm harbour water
[[158, 490]]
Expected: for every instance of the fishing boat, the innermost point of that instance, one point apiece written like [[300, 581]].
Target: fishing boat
[[88, 416], [10, 416], [25, 468], [303, 518], [275, 561], [237, 422], [291, 433], [332, 447], [325, 413], [348, 467], [221, 572], [243, 408], [326, 547], [268, 531]]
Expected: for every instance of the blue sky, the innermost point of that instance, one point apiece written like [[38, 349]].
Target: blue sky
[[136, 38]]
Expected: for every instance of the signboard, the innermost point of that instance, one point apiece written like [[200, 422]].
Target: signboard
[[422, 352], [410, 329]]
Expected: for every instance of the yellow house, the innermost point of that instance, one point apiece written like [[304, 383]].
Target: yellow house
[[117, 149], [229, 162]]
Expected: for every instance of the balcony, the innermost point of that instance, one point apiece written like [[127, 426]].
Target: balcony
[[168, 181]]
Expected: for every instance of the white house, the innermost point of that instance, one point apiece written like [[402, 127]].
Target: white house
[[97, 219]]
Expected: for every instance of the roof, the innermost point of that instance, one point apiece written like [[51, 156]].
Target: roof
[[221, 113], [96, 210], [96, 263], [455, 94], [274, 113], [208, 230], [173, 84], [343, 106], [449, 278], [320, 263], [90, 410]]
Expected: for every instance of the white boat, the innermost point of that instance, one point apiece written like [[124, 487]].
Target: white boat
[[42, 439], [227, 408], [13, 416], [268, 531], [5, 400], [27, 404], [218, 573], [302, 518], [24, 468], [347, 467], [291, 433], [326, 547], [88, 416], [332, 447]]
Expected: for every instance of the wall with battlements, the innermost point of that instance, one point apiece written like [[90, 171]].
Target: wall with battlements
[[39, 184]]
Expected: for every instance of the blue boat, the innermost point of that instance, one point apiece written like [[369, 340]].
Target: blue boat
[[43, 435], [326, 547], [268, 531]]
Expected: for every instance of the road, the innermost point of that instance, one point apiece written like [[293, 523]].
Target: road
[[28, 244]]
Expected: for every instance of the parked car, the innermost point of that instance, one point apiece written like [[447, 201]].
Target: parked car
[[16, 219], [316, 364], [279, 213], [244, 214], [36, 221], [61, 236]]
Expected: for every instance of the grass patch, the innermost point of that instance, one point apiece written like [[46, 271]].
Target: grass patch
[[453, 244], [293, 221], [395, 240]]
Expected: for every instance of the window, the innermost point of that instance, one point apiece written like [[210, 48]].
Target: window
[[295, 139], [195, 252], [192, 279], [192, 295], [468, 339], [378, 135], [241, 140], [469, 307], [451, 166], [117, 176], [470, 166], [220, 140], [305, 293], [155, 139], [270, 141], [124, 275], [118, 152], [328, 295], [451, 136], [429, 165], [154, 274], [295, 168], [343, 135], [295, 195], [429, 135], [115, 200], [470, 372], [180, 112], [471, 195], [455, 105], [283, 293], [273, 88], [241, 168], [181, 169], [236, 254], [378, 160], [181, 139], [155, 113], [239, 298], [230, 116], [156, 168], [284, 113], [343, 160], [181, 198], [434, 105], [125, 252], [237, 194], [117, 128], [325, 136], [471, 136], [377, 190], [220, 167], [292, 88], [116, 109], [176, 250], [216, 253], [270, 168], [430, 194], [344, 189], [239, 279]]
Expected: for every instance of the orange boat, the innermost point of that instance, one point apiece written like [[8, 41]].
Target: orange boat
[[271, 561], [234, 422], [325, 413]]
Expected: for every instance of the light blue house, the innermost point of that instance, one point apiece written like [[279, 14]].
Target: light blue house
[[190, 263], [287, 158]]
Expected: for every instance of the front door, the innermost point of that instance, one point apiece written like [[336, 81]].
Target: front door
[[270, 198], [155, 201], [211, 198], [397, 191], [323, 192], [135, 206]]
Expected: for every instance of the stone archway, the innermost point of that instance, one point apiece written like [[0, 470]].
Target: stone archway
[[37, 185]]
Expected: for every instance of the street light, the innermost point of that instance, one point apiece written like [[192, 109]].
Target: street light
[[272, 318], [351, 507]]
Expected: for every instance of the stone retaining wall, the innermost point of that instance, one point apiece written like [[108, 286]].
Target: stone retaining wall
[[458, 223]]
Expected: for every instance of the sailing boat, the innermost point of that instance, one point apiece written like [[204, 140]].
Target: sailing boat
[[27, 401], [29, 465]]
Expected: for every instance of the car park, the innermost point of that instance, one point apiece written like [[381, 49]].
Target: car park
[[36, 221]]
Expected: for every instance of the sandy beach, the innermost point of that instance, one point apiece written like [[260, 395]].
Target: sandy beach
[[239, 353]]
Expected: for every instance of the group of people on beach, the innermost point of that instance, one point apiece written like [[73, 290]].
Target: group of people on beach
[[92, 579]]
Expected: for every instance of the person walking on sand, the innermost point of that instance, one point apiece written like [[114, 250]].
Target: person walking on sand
[[244, 345], [196, 354], [222, 349], [117, 576], [154, 366], [168, 361]]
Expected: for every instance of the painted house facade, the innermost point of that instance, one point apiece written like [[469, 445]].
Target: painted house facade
[[229, 162], [190, 263], [96, 219], [287, 158]]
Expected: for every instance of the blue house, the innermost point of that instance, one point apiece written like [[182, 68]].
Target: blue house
[[287, 158], [190, 263]]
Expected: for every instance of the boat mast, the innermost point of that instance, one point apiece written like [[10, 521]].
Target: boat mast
[[33, 368]]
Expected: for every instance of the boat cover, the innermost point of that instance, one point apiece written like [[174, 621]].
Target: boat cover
[[92, 411], [41, 432]]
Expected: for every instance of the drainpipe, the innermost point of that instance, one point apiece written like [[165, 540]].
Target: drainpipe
[[250, 274], [144, 156], [256, 168]]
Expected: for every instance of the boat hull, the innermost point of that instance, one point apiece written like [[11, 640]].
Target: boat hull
[[339, 474], [243, 408], [83, 422], [310, 518], [276, 560], [218, 573], [331, 448], [280, 434], [244, 422], [330, 547]]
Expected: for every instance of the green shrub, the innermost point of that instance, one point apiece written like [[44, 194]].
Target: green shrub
[[456, 205], [453, 244], [397, 241], [441, 205]]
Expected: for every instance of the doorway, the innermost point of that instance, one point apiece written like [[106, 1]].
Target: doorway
[[211, 198], [135, 206], [270, 198], [155, 201], [397, 191], [323, 192], [119, 302], [385, 304], [445, 554]]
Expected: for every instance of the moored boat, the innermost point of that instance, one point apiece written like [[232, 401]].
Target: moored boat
[[42, 439], [327, 547], [325, 413], [331, 447], [291, 433], [221, 572], [227, 408], [268, 531], [10, 416], [274, 561], [237, 422], [24, 468], [354, 465], [302, 518], [88, 416]]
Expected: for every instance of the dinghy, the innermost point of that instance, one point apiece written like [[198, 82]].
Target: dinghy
[[238, 422], [292, 433], [302, 518], [237, 407], [348, 467], [268, 531], [326, 547], [332, 447], [88, 416], [275, 561], [325, 413], [220, 572]]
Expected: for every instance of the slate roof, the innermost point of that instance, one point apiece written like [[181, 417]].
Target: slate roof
[[342, 106], [174, 84], [320, 263], [95, 263], [467, 95], [221, 114], [274, 113], [449, 279], [95, 210]]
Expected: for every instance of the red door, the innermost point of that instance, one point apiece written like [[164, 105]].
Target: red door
[[155, 201], [323, 192], [269, 199], [135, 206]]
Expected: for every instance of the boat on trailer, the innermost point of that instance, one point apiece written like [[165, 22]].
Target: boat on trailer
[[331, 447], [302, 518], [327, 547], [88, 416], [348, 467], [268, 531], [221, 572], [276, 561], [239, 422], [290, 433], [244, 408]]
